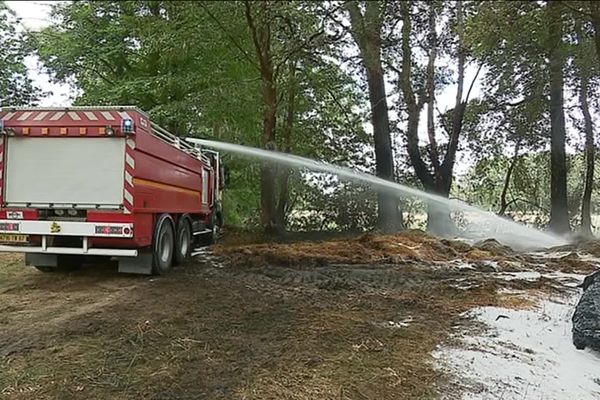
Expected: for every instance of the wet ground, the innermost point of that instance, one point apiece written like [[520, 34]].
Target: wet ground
[[365, 318]]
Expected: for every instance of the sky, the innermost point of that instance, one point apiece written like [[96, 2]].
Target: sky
[[34, 16]]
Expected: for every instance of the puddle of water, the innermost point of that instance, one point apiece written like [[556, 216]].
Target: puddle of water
[[565, 279], [519, 276], [525, 354]]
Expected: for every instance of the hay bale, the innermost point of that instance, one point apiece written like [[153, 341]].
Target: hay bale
[[494, 247]]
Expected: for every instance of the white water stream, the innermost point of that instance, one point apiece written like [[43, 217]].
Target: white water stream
[[482, 224]]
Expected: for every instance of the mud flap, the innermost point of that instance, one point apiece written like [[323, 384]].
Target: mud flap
[[142, 264], [41, 260]]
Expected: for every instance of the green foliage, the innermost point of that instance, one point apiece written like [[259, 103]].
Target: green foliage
[[347, 208], [192, 66], [16, 88], [529, 189]]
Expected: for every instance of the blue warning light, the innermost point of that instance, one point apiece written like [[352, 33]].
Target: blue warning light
[[127, 125]]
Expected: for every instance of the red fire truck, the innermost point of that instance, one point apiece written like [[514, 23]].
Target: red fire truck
[[103, 181]]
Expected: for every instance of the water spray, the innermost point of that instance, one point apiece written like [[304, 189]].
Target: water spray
[[507, 232]]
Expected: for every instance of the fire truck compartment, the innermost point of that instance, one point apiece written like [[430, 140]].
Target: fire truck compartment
[[64, 172]]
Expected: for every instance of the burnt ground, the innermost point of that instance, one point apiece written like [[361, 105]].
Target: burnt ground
[[286, 321]]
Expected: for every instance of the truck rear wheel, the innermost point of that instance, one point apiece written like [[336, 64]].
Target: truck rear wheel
[[164, 241], [183, 245]]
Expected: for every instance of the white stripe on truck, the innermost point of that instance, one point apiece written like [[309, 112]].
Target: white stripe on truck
[[41, 116], [8, 116], [107, 115], [129, 160], [74, 116], [65, 228], [128, 178], [128, 196], [57, 116], [90, 115], [24, 116]]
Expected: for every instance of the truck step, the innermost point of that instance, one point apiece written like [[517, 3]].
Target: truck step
[[200, 250], [202, 232]]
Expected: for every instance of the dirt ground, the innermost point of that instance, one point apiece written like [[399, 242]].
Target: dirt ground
[[329, 320]]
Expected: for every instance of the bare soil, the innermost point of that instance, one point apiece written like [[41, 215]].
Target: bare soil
[[340, 319]]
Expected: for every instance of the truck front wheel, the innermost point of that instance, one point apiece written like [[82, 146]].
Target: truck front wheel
[[215, 229], [164, 240]]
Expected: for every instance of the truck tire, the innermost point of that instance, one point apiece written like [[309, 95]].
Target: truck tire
[[215, 230], [183, 244], [164, 241]]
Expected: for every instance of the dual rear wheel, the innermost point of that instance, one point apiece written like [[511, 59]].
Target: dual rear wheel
[[174, 242], [172, 245]]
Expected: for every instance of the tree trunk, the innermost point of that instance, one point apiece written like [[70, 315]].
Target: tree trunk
[[439, 220], [261, 36], [458, 114], [586, 217], [509, 172], [433, 146], [388, 218], [366, 31], [413, 105], [284, 174], [559, 214], [267, 171]]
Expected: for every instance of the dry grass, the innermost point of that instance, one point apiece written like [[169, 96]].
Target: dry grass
[[521, 301], [364, 249], [251, 333]]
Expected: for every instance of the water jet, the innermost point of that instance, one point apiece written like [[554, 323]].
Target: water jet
[[483, 224]]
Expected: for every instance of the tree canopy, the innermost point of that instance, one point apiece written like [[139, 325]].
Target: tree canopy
[[16, 87], [416, 92]]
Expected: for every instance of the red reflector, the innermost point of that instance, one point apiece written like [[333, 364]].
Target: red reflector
[[109, 230], [8, 226]]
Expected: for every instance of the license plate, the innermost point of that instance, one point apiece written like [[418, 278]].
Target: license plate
[[7, 238]]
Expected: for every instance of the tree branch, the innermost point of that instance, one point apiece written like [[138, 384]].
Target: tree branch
[[576, 10], [412, 134], [473, 83], [229, 36], [300, 47], [442, 121], [433, 151]]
